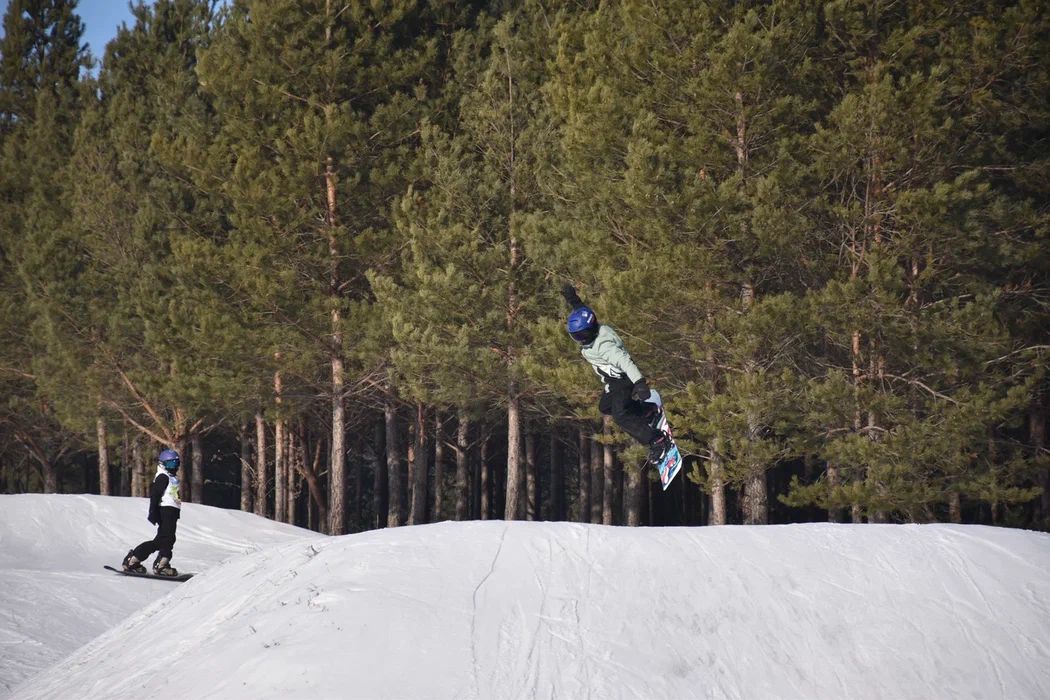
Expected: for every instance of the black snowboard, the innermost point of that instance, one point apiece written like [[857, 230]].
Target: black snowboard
[[179, 578]]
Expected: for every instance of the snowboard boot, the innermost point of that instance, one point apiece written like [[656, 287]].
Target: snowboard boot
[[132, 564], [162, 567], [652, 414], [658, 448]]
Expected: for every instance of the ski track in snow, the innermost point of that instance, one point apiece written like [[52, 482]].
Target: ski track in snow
[[474, 614], [529, 611]]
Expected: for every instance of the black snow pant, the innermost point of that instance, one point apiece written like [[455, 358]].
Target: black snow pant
[[165, 539], [628, 413]]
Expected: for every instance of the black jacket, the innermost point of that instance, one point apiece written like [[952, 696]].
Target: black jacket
[[156, 493]]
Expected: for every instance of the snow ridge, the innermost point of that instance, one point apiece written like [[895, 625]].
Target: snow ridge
[[560, 610]]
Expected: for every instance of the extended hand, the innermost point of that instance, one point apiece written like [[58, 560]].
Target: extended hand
[[571, 297]]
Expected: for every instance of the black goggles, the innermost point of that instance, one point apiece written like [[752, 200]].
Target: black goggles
[[171, 464], [585, 336]]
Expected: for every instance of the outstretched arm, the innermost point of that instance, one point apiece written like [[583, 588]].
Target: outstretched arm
[[571, 297]]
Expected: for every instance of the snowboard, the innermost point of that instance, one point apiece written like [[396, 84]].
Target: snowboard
[[180, 578], [672, 461]]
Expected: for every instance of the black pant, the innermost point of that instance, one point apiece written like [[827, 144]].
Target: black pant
[[628, 413], [165, 539]]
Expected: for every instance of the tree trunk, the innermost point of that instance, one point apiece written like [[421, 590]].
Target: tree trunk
[[437, 511], [280, 469], [337, 470], [197, 459], [138, 469], [557, 480], [598, 485], [475, 483], [410, 462], [716, 476], [313, 482], [877, 373], [583, 509], [246, 469], [634, 496], [835, 514], [512, 508], [186, 474], [463, 487], [1037, 439], [955, 507], [295, 465], [182, 447], [394, 516], [261, 487], [103, 457], [337, 457], [418, 515], [608, 475], [756, 499], [532, 506], [486, 480], [380, 484], [125, 463]]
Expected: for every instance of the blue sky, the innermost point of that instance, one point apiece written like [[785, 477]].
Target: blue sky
[[101, 19]]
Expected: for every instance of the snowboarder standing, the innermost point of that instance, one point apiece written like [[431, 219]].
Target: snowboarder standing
[[626, 392], [164, 509]]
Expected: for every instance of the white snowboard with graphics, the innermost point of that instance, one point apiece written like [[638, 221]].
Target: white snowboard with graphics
[[672, 461]]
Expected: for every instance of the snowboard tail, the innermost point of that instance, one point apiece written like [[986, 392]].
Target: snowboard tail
[[180, 578], [670, 465]]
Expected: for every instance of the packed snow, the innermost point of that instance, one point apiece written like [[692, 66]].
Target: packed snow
[[521, 610], [54, 594]]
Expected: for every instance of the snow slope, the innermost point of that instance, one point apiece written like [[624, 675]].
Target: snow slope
[[555, 610], [54, 594]]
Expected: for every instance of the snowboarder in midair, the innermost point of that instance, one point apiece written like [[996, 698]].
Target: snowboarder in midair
[[164, 509], [626, 392]]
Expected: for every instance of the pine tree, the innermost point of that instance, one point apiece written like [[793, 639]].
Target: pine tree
[[675, 141], [910, 330], [143, 330], [319, 103], [463, 309], [40, 61]]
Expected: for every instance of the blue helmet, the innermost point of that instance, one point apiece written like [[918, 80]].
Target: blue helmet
[[583, 325], [169, 459]]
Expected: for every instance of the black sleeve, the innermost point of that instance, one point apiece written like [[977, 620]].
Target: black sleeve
[[156, 492], [156, 489], [571, 297]]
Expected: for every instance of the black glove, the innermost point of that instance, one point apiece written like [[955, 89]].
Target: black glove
[[641, 392], [571, 297]]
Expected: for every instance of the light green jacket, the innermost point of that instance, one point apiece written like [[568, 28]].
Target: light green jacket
[[609, 357]]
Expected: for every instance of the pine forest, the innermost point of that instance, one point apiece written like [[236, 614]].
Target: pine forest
[[318, 246]]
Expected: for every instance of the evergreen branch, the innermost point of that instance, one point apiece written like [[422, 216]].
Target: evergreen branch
[[1015, 352], [142, 401], [141, 428], [18, 372], [282, 91], [919, 384]]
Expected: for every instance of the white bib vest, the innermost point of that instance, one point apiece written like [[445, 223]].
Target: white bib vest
[[171, 494]]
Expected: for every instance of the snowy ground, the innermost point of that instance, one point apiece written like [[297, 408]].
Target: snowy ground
[[55, 595], [533, 610]]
